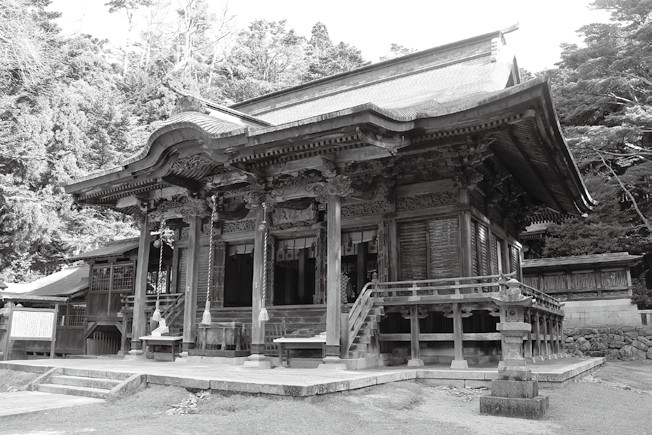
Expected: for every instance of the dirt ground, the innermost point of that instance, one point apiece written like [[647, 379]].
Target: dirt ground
[[615, 399]]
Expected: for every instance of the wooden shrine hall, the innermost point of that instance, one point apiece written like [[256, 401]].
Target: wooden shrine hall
[[380, 207]]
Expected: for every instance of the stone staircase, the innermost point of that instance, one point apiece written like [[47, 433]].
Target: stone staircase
[[89, 383]]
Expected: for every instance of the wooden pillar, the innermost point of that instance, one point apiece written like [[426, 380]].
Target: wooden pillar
[[220, 270], [192, 280], [138, 326], [257, 358], [465, 235], [537, 334], [333, 276], [415, 331], [361, 260], [458, 339], [562, 342], [392, 249], [553, 338], [546, 337], [528, 343]]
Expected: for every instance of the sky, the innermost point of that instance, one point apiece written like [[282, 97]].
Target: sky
[[372, 26]]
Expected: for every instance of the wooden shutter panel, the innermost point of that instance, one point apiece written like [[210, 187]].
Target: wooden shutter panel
[[483, 250], [443, 247], [202, 281], [475, 266], [515, 260], [182, 273], [412, 240]]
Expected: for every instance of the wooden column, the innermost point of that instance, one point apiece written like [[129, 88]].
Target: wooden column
[[257, 358], [192, 280], [219, 260], [546, 337], [138, 326], [537, 334], [415, 356], [465, 234], [528, 343], [392, 250], [458, 339], [333, 276]]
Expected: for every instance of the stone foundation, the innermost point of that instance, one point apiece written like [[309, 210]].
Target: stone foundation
[[627, 343]]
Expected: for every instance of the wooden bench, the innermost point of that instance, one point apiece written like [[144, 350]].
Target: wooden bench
[[287, 343], [163, 340]]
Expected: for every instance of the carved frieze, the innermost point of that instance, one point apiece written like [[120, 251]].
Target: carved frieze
[[283, 217], [426, 200], [243, 225], [190, 163], [339, 186], [366, 208]]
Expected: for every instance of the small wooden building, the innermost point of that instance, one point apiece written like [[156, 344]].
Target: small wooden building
[[66, 290], [596, 289], [381, 206]]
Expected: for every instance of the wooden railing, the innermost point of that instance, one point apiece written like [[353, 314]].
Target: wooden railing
[[448, 288], [360, 310], [165, 301], [541, 300]]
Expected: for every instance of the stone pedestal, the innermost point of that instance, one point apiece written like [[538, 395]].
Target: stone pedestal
[[257, 361], [514, 393]]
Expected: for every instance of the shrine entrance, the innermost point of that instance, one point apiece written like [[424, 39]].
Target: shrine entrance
[[294, 271], [238, 275]]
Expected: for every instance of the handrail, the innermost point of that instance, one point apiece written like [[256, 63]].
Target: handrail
[[540, 298], [150, 301], [360, 310], [442, 286]]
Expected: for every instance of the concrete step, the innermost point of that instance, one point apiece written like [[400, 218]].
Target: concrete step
[[102, 374], [96, 393], [82, 381]]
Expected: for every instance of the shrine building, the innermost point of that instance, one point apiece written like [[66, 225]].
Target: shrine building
[[380, 207]]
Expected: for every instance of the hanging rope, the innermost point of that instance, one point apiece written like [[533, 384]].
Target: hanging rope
[[157, 311], [206, 317], [263, 316]]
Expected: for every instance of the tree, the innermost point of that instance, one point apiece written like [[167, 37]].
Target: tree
[[129, 7], [603, 93], [397, 50], [326, 59]]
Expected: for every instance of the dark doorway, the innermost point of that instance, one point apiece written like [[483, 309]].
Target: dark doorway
[[238, 278]]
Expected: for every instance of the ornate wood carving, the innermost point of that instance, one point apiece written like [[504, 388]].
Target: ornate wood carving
[[366, 208], [425, 200], [190, 163], [338, 186], [283, 217], [244, 225]]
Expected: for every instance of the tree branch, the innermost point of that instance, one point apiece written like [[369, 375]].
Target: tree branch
[[629, 195]]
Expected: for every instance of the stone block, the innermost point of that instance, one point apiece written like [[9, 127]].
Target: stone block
[[649, 353], [638, 344], [515, 374], [534, 408], [630, 353], [515, 389], [645, 341]]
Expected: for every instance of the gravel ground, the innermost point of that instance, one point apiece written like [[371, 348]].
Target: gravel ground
[[615, 399]]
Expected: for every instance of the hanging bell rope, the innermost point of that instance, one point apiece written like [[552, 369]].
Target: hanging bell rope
[[263, 316], [157, 311], [206, 317]]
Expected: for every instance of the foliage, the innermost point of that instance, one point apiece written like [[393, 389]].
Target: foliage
[[70, 106]]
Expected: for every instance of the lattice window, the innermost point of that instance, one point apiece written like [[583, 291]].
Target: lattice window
[[101, 278], [123, 277]]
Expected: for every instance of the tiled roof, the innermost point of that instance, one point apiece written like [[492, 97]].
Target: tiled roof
[[115, 249], [68, 282], [439, 75], [612, 258], [63, 283]]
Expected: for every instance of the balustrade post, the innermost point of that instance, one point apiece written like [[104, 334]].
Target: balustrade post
[[458, 339], [415, 357]]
